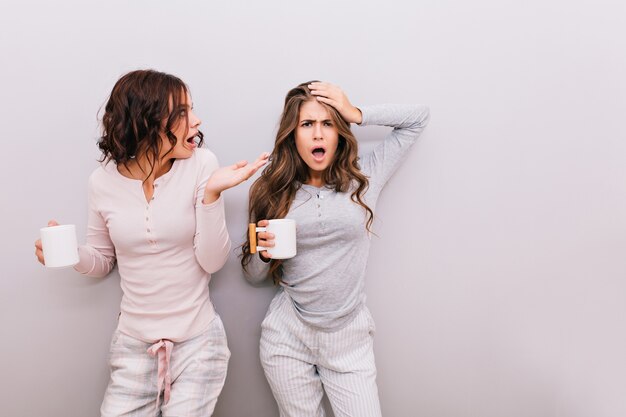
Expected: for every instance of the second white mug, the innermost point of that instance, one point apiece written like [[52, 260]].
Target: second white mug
[[284, 231], [59, 245]]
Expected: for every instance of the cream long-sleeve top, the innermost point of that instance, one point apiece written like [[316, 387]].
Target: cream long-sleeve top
[[326, 279], [166, 248]]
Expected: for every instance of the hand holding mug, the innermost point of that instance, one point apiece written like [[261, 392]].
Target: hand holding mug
[[264, 239], [58, 244], [276, 238], [39, 247]]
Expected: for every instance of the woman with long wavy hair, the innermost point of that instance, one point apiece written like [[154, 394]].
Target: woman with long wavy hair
[[155, 208], [317, 334]]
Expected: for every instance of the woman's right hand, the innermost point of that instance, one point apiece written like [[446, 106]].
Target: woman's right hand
[[227, 177], [38, 248], [334, 96], [265, 239]]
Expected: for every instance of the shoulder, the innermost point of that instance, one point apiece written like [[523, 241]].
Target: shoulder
[[205, 156], [204, 159], [104, 182], [101, 175], [199, 165]]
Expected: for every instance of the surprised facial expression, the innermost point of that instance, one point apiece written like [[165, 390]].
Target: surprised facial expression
[[316, 137], [185, 143]]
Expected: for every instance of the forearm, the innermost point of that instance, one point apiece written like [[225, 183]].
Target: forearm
[[256, 272], [93, 262], [408, 122], [212, 242], [409, 118]]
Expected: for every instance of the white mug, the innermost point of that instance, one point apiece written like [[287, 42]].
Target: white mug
[[60, 248], [284, 231]]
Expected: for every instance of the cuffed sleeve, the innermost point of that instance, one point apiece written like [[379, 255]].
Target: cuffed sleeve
[[257, 270], [212, 242], [408, 122], [97, 255]]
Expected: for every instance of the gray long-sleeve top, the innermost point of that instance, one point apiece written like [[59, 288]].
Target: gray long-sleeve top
[[325, 280]]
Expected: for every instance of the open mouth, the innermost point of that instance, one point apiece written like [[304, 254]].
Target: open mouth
[[192, 141], [318, 153]]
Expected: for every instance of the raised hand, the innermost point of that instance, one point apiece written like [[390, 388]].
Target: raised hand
[[38, 247], [334, 96], [230, 176]]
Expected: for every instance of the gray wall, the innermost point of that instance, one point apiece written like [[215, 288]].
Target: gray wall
[[497, 279]]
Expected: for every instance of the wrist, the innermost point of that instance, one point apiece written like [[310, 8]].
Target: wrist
[[357, 116]]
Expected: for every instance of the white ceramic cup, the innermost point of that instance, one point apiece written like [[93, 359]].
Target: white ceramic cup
[[60, 248], [284, 231]]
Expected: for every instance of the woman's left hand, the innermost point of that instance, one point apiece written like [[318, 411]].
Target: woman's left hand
[[227, 177], [334, 96]]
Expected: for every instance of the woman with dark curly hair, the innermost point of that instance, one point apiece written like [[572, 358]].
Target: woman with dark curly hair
[[155, 207], [318, 334]]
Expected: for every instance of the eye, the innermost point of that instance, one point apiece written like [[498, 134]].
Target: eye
[[306, 124], [329, 124], [182, 112]]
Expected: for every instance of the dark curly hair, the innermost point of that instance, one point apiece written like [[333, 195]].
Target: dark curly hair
[[143, 105]]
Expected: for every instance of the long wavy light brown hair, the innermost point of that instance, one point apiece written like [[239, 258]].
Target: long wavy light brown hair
[[272, 193], [142, 106]]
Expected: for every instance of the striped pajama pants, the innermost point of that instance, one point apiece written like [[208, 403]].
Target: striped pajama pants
[[300, 363], [197, 368]]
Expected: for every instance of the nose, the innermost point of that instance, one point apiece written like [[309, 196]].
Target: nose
[[317, 132], [194, 121]]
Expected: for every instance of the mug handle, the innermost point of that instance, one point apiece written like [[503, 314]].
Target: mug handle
[[252, 231]]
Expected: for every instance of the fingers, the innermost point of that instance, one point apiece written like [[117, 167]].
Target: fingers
[[265, 239], [39, 251], [240, 164], [334, 96], [329, 101], [325, 90], [255, 167], [262, 159], [331, 95], [39, 247], [322, 86], [250, 170]]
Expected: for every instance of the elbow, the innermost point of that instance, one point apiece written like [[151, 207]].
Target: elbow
[[97, 274], [213, 267], [255, 280], [212, 264], [98, 271], [256, 272], [422, 116]]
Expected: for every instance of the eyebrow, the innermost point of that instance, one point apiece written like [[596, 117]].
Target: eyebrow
[[314, 120]]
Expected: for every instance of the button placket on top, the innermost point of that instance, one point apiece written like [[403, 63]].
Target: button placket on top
[[319, 197], [149, 223]]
